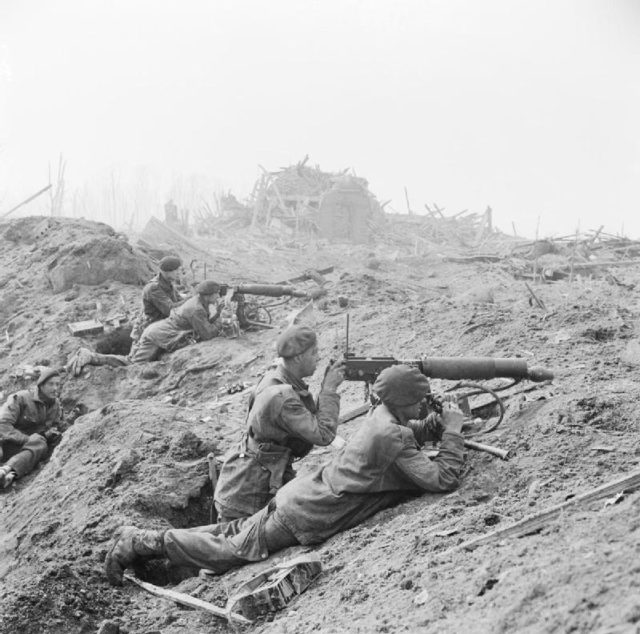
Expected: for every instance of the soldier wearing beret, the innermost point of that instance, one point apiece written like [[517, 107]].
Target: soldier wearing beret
[[191, 318], [159, 295], [29, 420], [284, 422], [379, 466]]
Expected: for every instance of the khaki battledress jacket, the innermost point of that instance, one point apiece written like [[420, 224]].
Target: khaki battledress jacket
[[25, 413], [158, 298], [283, 424], [168, 333], [379, 466], [24, 419]]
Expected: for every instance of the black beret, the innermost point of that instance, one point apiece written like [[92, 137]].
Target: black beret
[[401, 385], [45, 375], [295, 340], [207, 287], [170, 263]]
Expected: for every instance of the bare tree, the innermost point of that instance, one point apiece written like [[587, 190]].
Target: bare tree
[[56, 193]]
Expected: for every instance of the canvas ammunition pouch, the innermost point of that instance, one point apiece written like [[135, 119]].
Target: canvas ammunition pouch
[[270, 456]]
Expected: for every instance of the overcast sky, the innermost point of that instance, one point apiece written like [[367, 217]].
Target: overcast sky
[[529, 106]]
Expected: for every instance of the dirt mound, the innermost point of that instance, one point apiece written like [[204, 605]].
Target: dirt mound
[[39, 257], [77, 252], [130, 462]]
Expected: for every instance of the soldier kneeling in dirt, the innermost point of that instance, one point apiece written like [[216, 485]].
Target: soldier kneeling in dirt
[[186, 323], [284, 422], [379, 464], [28, 424]]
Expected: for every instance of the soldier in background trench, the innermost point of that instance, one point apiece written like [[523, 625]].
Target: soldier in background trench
[[29, 422], [191, 319], [186, 322], [159, 295], [378, 467], [284, 422]]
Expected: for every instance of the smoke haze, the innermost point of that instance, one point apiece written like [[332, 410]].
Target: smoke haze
[[529, 107]]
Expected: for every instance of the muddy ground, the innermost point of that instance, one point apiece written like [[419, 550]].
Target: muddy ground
[[139, 454]]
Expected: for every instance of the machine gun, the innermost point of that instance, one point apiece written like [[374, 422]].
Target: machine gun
[[461, 369], [267, 290], [251, 314], [451, 368]]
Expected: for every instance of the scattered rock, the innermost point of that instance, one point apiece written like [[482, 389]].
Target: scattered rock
[[186, 445], [631, 354], [108, 627], [421, 598], [74, 293], [123, 467], [481, 295]]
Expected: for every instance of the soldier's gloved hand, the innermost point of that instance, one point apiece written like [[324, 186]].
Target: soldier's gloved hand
[[334, 376], [82, 357], [428, 429], [219, 308], [228, 298], [434, 427], [52, 435]]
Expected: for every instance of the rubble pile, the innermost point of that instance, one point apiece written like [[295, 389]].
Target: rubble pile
[[458, 234], [590, 254], [304, 200]]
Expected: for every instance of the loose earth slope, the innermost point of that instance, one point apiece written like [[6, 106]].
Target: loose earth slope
[[139, 455]]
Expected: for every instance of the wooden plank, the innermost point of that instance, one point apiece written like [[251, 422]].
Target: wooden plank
[[537, 300], [305, 276], [188, 600], [538, 521], [28, 200]]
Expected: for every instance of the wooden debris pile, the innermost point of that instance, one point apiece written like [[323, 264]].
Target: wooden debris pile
[[291, 199], [592, 253], [462, 233], [228, 213]]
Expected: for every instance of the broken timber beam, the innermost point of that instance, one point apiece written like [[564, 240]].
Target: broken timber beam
[[188, 600], [537, 300], [474, 258], [594, 265], [28, 200], [305, 276], [534, 523]]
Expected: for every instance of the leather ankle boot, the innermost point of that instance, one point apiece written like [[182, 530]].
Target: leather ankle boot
[[129, 545]]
